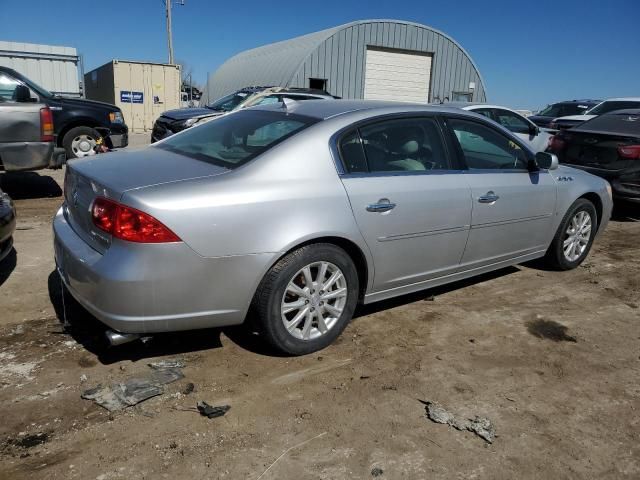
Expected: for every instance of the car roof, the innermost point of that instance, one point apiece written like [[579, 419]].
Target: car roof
[[322, 109], [632, 99]]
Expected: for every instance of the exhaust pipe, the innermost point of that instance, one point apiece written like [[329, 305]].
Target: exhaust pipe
[[116, 338]]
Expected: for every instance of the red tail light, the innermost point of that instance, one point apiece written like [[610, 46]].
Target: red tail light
[[556, 143], [129, 224], [631, 152], [46, 125]]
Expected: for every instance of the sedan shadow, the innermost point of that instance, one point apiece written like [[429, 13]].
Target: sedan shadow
[[88, 331], [29, 185], [431, 293], [625, 212]]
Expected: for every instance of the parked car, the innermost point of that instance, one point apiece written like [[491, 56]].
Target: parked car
[[529, 132], [174, 121], [78, 123], [26, 135], [297, 213], [607, 106], [7, 224], [562, 109], [607, 146]]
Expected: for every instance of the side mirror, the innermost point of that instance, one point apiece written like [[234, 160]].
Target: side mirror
[[22, 94], [534, 130], [546, 160]]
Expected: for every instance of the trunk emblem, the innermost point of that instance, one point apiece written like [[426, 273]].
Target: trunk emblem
[[74, 196]]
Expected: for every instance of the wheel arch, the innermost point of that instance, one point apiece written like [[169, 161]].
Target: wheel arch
[[597, 203], [76, 122], [364, 268]]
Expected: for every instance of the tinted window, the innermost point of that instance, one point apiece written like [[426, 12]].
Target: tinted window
[[511, 121], [484, 111], [606, 107], [574, 109], [232, 140], [485, 148], [352, 153], [412, 144]]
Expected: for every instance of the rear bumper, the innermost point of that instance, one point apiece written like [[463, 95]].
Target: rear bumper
[[26, 155], [145, 288]]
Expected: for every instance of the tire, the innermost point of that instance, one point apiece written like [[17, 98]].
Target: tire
[[556, 255], [75, 133], [309, 334]]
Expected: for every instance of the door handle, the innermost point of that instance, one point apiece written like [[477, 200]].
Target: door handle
[[383, 205], [488, 197]]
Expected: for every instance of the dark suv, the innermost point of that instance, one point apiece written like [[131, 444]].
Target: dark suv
[[78, 122], [174, 121], [561, 109]]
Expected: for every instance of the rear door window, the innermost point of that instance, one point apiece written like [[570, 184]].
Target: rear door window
[[511, 121]]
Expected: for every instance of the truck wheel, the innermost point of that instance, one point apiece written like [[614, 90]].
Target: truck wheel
[[307, 299], [80, 142]]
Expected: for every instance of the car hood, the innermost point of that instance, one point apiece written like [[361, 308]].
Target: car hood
[[186, 113], [83, 102], [580, 118], [128, 170]]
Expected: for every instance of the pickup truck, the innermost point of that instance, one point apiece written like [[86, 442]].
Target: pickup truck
[[78, 123], [27, 141]]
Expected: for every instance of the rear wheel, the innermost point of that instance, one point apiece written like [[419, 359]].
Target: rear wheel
[[574, 237], [80, 142], [307, 299]]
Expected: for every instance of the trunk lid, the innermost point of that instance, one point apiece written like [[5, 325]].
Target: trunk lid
[[596, 150], [111, 175]]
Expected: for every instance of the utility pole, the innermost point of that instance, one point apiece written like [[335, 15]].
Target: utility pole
[[169, 34]]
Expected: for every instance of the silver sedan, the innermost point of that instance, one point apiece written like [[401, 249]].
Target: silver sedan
[[289, 216]]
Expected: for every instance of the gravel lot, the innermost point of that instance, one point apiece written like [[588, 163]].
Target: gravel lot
[[551, 359]]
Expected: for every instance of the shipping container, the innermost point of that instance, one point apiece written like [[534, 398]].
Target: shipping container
[[54, 68], [142, 90]]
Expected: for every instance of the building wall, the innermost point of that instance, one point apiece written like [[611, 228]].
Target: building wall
[[159, 85], [339, 54], [54, 68], [341, 60]]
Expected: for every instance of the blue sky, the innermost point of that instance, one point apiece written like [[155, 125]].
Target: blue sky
[[530, 53]]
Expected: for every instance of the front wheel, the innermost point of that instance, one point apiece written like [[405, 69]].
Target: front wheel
[[307, 299], [80, 142], [574, 237]]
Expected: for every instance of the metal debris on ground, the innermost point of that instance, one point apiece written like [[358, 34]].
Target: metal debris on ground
[[207, 410], [118, 396], [166, 364], [479, 425], [376, 472]]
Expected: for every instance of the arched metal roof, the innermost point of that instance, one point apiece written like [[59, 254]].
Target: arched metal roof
[[281, 63]]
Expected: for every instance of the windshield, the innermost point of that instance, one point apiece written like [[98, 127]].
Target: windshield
[[550, 111], [611, 105], [233, 140], [228, 103]]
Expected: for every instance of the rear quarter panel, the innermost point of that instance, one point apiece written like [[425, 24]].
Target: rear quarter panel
[[288, 196]]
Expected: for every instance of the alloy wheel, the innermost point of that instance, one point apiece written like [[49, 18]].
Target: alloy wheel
[[314, 300], [577, 236], [83, 145]]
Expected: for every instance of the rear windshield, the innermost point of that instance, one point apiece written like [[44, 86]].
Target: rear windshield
[[610, 106], [235, 139]]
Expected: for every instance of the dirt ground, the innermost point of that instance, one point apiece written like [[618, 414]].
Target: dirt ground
[[551, 359]]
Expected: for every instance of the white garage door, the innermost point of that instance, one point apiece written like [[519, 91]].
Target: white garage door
[[397, 75]]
